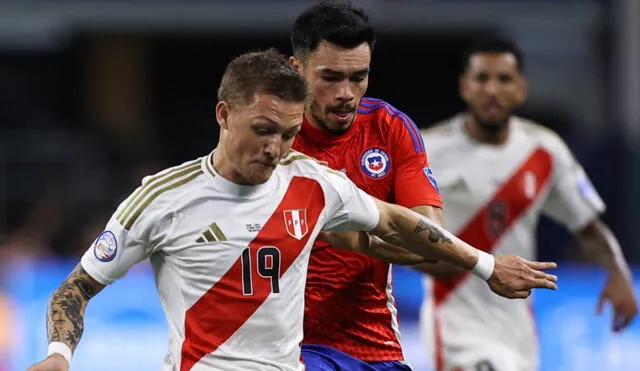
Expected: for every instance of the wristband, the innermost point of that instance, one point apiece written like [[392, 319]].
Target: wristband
[[63, 349], [484, 266]]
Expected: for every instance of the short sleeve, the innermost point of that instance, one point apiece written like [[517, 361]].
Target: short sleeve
[[414, 183], [573, 200], [351, 209], [121, 245]]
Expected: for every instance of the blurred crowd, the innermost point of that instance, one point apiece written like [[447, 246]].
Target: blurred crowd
[[82, 122], [74, 140]]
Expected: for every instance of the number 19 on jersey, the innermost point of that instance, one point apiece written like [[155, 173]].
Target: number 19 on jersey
[[267, 263]]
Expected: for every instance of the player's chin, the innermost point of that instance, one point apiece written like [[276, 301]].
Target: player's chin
[[494, 122], [340, 126], [260, 173]]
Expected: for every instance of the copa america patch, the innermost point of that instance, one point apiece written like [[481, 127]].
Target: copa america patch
[[375, 162], [587, 190], [429, 174], [105, 247]]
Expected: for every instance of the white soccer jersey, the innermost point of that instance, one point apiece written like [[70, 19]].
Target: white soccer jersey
[[230, 261], [493, 197]]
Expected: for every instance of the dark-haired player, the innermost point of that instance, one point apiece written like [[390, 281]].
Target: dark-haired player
[[498, 173]]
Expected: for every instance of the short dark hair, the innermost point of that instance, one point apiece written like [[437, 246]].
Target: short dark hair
[[336, 22], [493, 44], [261, 72]]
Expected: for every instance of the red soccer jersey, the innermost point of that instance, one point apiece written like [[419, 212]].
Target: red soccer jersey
[[349, 303]]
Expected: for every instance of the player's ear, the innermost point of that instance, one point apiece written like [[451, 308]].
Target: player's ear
[[222, 114], [523, 89], [463, 83], [296, 63]]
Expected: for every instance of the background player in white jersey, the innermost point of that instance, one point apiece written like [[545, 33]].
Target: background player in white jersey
[[497, 173], [229, 236]]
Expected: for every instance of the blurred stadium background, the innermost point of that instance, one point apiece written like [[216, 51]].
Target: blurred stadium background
[[95, 94]]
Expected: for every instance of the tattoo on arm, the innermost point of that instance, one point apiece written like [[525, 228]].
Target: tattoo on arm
[[434, 234], [65, 315]]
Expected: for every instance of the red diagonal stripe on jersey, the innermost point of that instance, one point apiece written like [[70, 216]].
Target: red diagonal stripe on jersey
[[222, 310], [511, 200]]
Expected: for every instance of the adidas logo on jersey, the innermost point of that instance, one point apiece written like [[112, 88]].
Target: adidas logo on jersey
[[212, 234]]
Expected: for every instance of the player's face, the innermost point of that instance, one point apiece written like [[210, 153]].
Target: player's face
[[256, 136], [492, 87], [338, 79]]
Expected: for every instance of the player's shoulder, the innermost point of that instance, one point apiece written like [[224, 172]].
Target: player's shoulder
[[443, 128], [160, 190], [391, 121], [296, 163], [382, 112], [442, 138], [174, 177], [541, 135]]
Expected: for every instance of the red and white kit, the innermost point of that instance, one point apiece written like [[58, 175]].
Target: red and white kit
[[230, 261], [493, 197]]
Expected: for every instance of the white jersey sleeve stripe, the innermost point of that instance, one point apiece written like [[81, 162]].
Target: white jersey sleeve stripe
[[152, 183], [181, 178]]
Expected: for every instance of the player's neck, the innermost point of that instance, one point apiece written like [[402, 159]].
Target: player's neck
[[482, 135], [222, 166], [311, 120]]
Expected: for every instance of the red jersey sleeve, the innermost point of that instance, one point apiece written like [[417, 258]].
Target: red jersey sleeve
[[414, 184]]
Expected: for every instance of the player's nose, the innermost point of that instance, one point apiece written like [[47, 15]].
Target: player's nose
[[272, 149], [491, 87], [345, 92]]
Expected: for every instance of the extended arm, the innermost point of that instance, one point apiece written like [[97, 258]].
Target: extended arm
[[434, 268], [400, 255], [378, 248], [507, 275], [437, 268], [65, 317], [601, 246], [373, 246]]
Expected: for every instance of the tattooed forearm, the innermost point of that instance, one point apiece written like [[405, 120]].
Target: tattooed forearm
[[434, 234], [422, 226], [65, 315]]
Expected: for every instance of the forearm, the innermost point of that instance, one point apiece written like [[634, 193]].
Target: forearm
[[434, 268], [399, 226], [400, 255], [394, 254], [600, 245], [65, 314], [370, 245], [437, 269]]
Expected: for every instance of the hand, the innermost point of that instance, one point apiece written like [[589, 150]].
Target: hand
[[54, 362], [619, 291], [513, 277]]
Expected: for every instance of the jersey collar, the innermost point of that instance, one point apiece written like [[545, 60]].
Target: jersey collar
[[460, 124]]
